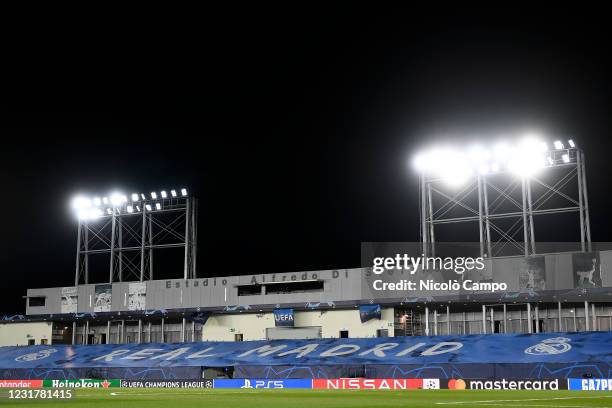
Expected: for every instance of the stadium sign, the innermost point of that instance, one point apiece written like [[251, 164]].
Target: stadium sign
[[21, 383], [166, 383], [590, 384], [81, 383], [376, 383], [283, 317], [505, 384], [263, 383]]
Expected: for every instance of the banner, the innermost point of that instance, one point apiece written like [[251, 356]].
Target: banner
[[81, 383], [103, 298], [69, 299], [587, 269], [515, 349], [167, 383], [505, 384], [369, 312], [262, 383], [21, 383], [532, 275], [377, 383], [137, 292], [590, 384], [283, 317]]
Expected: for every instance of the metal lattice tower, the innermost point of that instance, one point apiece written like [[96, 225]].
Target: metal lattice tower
[[130, 232], [500, 209]]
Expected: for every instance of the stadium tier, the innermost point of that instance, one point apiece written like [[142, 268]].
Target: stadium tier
[[538, 356], [562, 292]]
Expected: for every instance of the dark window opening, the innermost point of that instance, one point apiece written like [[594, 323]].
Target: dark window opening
[[344, 334], [238, 337], [31, 342], [249, 290], [382, 333], [498, 326], [294, 287], [36, 301]]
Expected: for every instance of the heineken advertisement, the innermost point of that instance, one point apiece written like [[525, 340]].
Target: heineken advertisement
[[81, 383]]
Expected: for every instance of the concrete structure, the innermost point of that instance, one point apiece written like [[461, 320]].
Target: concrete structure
[[25, 333], [553, 292]]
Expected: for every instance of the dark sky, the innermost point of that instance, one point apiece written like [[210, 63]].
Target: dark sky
[[294, 130]]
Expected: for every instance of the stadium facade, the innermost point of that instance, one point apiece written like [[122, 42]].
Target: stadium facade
[[548, 293]]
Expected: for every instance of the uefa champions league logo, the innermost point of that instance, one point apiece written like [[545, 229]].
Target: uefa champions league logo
[[39, 355], [556, 345]]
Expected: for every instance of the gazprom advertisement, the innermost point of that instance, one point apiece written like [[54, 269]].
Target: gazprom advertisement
[[590, 384]]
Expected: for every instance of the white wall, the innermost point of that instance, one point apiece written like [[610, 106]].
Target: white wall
[[18, 334], [332, 321], [223, 327], [253, 326]]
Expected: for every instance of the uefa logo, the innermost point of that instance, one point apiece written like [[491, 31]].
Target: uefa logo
[[555, 345], [39, 355]]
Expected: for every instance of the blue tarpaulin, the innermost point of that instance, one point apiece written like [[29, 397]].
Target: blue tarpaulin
[[481, 349]]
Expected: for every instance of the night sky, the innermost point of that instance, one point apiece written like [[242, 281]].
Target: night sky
[[295, 133]]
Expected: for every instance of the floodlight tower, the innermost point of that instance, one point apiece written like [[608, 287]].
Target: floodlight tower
[[502, 190], [130, 229]]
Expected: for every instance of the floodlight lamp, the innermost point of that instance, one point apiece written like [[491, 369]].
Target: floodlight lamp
[[94, 213], [478, 154], [143, 196], [495, 167], [154, 195], [483, 169], [108, 211], [97, 202], [148, 207], [173, 193], [420, 163], [550, 160], [134, 197], [163, 194], [184, 192], [558, 144], [130, 209], [501, 151], [80, 202], [571, 143], [138, 208], [157, 206], [83, 214], [566, 158], [116, 199], [105, 200], [532, 143]]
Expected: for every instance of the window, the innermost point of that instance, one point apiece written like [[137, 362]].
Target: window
[[238, 337], [344, 334], [31, 342], [43, 341], [382, 333], [249, 290], [275, 288], [36, 301], [294, 287]]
